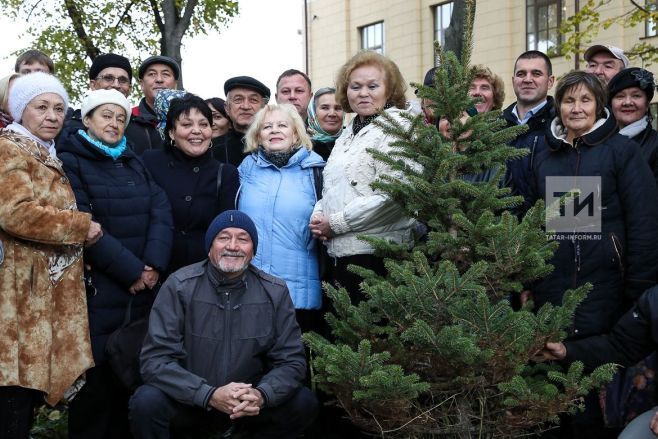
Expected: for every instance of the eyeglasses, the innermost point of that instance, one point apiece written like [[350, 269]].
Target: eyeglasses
[[123, 80]]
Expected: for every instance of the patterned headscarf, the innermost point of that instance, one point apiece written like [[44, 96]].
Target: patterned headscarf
[[161, 106], [313, 122]]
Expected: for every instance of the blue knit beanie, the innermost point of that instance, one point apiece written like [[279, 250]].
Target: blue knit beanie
[[231, 218]]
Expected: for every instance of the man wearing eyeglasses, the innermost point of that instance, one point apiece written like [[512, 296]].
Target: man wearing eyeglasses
[[107, 71], [244, 97]]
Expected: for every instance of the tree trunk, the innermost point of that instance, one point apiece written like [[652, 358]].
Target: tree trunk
[[173, 29], [455, 32]]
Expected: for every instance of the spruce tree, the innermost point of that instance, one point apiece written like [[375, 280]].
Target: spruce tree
[[435, 349]]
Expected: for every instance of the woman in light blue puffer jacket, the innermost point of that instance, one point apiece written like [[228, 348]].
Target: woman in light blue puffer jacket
[[278, 191]]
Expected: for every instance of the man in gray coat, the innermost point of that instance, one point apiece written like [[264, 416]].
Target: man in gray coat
[[223, 348]]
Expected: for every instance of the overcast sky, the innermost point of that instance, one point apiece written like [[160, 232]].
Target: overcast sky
[[264, 40]]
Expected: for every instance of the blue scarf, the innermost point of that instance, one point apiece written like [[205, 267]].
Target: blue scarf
[[114, 152]]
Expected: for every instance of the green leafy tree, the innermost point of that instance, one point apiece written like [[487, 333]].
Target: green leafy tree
[[435, 349], [582, 28], [74, 32]]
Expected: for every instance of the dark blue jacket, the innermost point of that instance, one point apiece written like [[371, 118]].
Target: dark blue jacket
[[137, 230], [623, 261], [519, 172], [191, 186], [633, 337]]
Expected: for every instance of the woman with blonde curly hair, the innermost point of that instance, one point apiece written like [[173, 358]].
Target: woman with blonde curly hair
[[278, 191], [368, 84]]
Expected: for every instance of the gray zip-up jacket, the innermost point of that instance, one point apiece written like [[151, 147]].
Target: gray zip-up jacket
[[202, 337]]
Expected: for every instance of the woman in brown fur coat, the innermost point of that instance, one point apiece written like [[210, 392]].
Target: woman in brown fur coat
[[44, 338]]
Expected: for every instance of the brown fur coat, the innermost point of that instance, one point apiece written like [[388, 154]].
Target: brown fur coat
[[44, 335]]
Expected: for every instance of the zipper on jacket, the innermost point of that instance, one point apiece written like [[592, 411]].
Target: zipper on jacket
[[576, 243], [532, 152], [227, 337]]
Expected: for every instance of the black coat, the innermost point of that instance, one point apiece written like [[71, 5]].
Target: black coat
[[137, 230], [191, 186], [141, 133], [622, 261], [648, 141], [323, 148], [633, 337], [229, 148], [519, 171]]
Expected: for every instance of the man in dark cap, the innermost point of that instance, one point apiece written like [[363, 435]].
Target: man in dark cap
[[223, 348], [244, 97], [107, 71], [155, 73]]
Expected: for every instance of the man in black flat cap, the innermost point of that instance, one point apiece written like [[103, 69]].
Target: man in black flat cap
[[244, 97], [156, 73]]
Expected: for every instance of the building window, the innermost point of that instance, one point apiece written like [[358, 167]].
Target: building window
[[543, 25], [650, 25], [372, 37], [442, 15]]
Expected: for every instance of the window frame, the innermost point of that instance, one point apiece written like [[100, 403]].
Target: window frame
[[536, 5], [437, 14], [363, 33]]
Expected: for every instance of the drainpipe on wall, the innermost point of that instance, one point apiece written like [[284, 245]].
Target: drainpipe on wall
[[306, 37]]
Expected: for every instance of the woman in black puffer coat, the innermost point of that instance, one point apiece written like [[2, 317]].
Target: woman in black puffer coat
[[112, 184], [620, 256], [198, 186]]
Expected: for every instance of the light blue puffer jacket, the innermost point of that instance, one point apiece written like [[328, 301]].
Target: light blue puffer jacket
[[280, 202]]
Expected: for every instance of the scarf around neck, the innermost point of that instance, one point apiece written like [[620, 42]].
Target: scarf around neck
[[635, 128], [358, 124], [111, 151], [278, 158]]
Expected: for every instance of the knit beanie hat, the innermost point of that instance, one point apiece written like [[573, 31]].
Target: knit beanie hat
[[97, 98], [632, 77], [110, 60], [231, 218], [27, 87]]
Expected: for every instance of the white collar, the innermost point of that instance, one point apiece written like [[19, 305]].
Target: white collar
[[18, 128]]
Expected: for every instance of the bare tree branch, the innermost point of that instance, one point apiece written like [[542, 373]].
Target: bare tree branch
[[125, 13], [76, 19], [640, 7], [158, 17]]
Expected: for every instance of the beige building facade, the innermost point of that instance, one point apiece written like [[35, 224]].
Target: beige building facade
[[404, 30]]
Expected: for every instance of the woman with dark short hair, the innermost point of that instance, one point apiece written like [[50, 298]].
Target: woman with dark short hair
[[198, 187]]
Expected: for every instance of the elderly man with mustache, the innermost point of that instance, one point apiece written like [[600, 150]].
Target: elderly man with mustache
[[223, 348]]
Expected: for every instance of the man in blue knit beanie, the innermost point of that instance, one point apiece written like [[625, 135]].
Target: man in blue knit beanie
[[223, 350]]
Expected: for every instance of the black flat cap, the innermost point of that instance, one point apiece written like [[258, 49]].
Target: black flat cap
[[159, 59], [247, 82], [110, 60]]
